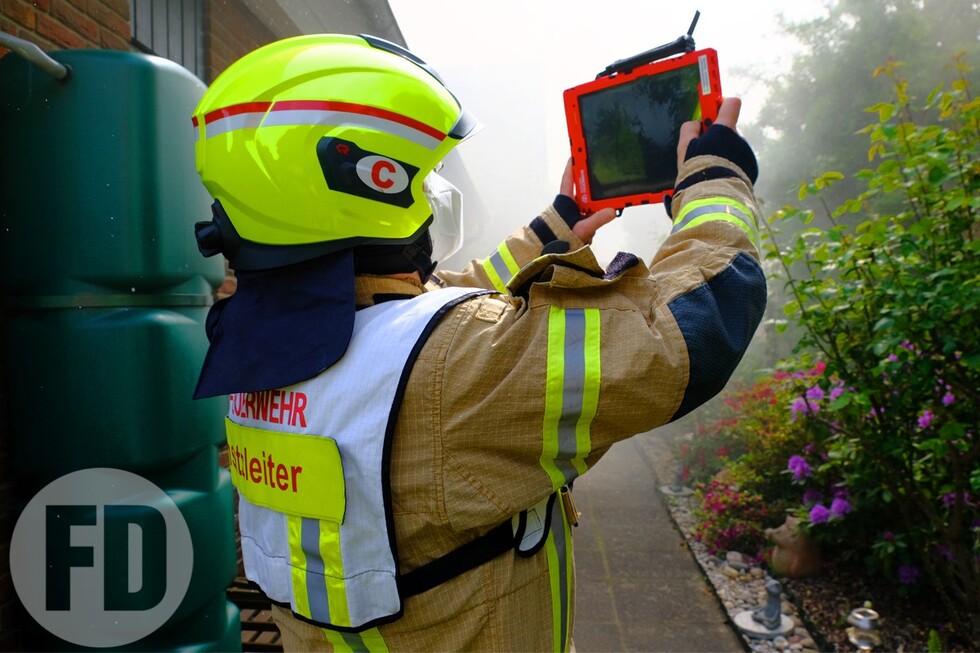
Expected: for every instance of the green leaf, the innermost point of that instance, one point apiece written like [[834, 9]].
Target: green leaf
[[884, 323], [888, 167], [885, 110], [841, 402], [803, 190]]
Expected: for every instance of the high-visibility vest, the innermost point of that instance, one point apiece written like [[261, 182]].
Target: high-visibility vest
[[311, 464]]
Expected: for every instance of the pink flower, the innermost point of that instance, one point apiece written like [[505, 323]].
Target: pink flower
[[925, 419], [836, 392], [948, 398]]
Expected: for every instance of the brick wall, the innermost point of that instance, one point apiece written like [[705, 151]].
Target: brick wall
[[63, 24], [230, 32]]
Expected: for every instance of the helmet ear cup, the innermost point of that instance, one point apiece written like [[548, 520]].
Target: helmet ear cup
[[415, 256]]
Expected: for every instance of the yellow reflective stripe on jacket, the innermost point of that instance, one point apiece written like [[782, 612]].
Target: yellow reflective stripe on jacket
[[571, 392], [720, 209], [501, 267], [368, 641], [558, 548], [317, 570], [287, 472]]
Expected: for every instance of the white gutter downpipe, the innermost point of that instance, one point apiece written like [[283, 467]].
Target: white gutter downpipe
[[36, 56]]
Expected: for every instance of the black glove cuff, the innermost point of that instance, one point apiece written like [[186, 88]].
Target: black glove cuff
[[567, 209], [724, 142]]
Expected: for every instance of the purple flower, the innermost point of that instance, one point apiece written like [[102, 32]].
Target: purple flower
[[888, 536], [925, 419], [949, 499], [908, 574], [948, 398], [799, 405], [812, 496], [836, 392], [892, 358], [840, 507], [819, 514], [815, 393], [945, 552], [800, 468]]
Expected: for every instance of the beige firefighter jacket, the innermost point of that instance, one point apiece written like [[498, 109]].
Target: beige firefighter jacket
[[475, 437]]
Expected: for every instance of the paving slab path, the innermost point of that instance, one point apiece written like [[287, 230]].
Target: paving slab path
[[639, 587]]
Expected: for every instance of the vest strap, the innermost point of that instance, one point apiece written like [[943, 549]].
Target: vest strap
[[469, 556]]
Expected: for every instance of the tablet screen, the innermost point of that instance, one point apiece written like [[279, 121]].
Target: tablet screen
[[631, 131]]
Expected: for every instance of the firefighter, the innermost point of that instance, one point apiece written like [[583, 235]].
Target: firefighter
[[404, 439]]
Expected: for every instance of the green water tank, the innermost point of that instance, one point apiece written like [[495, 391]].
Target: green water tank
[[104, 298]]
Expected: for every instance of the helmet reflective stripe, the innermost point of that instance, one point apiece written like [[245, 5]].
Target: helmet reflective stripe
[[232, 122], [317, 112]]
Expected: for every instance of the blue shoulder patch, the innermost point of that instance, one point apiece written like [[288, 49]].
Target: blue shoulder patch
[[717, 320]]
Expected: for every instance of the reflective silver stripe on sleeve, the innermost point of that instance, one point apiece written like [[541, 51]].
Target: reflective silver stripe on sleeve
[[713, 208]]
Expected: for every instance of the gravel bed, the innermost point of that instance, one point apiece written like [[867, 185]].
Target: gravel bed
[[741, 587]]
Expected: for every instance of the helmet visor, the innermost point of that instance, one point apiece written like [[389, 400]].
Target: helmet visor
[[446, 203]]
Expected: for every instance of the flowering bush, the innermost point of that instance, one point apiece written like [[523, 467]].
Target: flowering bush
[[730, 519], [767, 433], [709, 449], [887, 298]]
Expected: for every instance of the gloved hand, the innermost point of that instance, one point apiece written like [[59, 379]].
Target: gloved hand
[[584, 226], [720, 139]]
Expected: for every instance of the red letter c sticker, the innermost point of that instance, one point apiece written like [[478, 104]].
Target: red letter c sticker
[[382, 166]]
